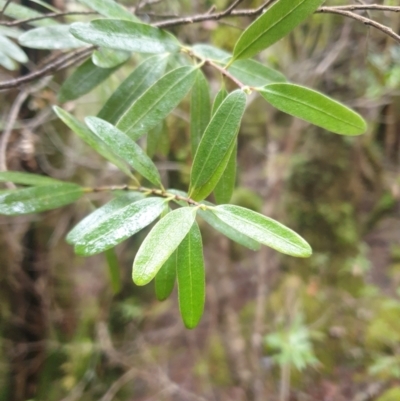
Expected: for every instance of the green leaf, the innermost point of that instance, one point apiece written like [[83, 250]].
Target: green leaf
[[157, 102], [10, 32], [85, 78], [50, 37], [7, 62], [205, 50], [118, 226], [109, 58], [113, 269], [124, 147], [38, 199], [160, 243], [219, 98], [154, 136], [18, 177], [16, 11], [125, 35], [91, 139], [216, 145], [100, 215], [314, 107], [224, 189], [165, 278], [200, 110], [132, 87], [253, 73], [10, 49], [110, 9], [274, 24], [264, 230], [227, 230], [191, 277]]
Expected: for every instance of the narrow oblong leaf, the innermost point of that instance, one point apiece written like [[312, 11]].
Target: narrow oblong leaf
[[191, 277], [7, 62], [85, 78], [142, 77], [38, 199], [264, 230], [91, 139], [19, 177], [314, 107], [10, 32], [282, 17], [219, 98], [228, 231], [253, 73], [160, 243], [113, 270], [119, 225], [165, 278], [224, 189], [216, 145], [125, 148], [200, 110], [110, 9], [157, 102], [109, 58], [90, 222], [206, 50], [125, 35], [50, 37], [9, 48]]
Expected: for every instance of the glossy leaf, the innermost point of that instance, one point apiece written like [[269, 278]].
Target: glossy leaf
[[148, 72], [10, 49], [219, 98], [205, 50], [200, 110], [18, 12], [165, 237], [109, 58], [118, 226], [85, 78], [253, 73], [191, 277], [157, 102], [110, 9], [50, 37], [154, 136], [165, 278], [224, 189], [314, 107], [38, 199], [91, 139], [282, 17], [264, 230], [90, 222], [125, 148], [228, 231], [125, 35], [113, 270], [19, 177], [216, 145]]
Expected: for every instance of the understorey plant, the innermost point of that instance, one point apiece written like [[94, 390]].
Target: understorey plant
[[166, 73]]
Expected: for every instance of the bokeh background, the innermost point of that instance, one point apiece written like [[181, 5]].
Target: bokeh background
[[274, 328]]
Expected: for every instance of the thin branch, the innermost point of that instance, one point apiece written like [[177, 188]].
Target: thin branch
[[4, 8], [362, 7], [62, 62], [45, 16], [366, 21]]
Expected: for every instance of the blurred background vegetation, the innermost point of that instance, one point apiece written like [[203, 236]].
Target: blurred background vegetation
[[275, 328]]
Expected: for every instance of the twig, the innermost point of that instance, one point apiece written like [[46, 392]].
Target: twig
[[4, 8], [128, 376], [45, 16], [366, 21], [63, 62], [362, 7]]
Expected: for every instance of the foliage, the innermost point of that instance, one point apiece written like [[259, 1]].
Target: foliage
[[168, 70]]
